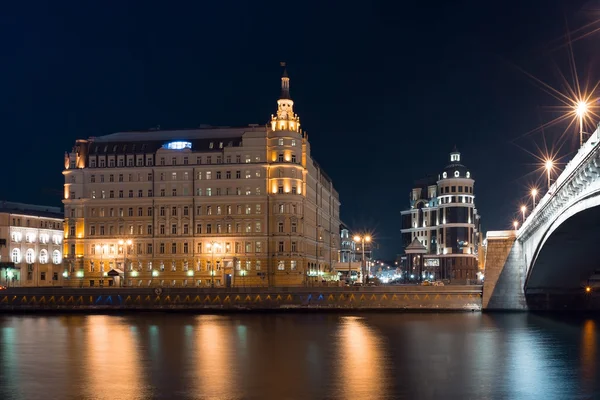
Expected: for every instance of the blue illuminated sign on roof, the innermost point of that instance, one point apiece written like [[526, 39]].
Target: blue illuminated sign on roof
[[178, 145]]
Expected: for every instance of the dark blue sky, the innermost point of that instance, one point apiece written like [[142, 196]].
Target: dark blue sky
[[384, 89]]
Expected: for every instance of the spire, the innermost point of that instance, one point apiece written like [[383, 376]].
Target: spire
[[285, 83], [455, 155], [285, 119]]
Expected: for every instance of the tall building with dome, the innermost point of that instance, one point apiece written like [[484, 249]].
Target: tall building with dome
[[208, 207], [441, 229]]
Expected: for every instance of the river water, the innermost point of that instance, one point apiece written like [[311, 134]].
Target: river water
[[299, 356]]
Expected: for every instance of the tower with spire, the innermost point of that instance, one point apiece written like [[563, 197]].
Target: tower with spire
[[285, 119]]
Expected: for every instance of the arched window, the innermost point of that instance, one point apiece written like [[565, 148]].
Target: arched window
[[56, 258], [44, 256], [30, 256], [456, 174], [16, 256]]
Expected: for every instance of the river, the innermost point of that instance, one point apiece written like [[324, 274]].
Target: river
[[299, 356]]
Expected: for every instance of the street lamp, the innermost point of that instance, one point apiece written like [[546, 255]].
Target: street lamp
[[362, 239], [101, 249], [122, 243], [523, 211], [581, 109], [549, 164], [516, 224], [534, 193], [213, 246]]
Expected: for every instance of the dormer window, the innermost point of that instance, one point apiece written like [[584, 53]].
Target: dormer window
[[456, 174], [455, 157]]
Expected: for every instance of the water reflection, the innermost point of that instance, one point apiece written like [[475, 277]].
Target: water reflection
[[361, 363], [111, 362], [213, 354], [589, 355], [297, 356]]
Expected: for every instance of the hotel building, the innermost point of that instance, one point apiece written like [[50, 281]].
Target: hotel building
[[31, 241], [203, 207], [441, 231]]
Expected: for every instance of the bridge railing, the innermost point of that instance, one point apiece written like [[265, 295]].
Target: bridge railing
[[572, 167]]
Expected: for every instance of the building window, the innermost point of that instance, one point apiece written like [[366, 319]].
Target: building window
[[248, 247], [281, 247], [198, 228], [281, 265], [280, 227], [174, 229], [56, 259], [258, 227], [280, 158], [185, 248]]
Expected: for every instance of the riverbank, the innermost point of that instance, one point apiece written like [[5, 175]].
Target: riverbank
[[398, 298]]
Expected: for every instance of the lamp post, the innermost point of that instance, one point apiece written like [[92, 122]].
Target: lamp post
[[534, 193], [516, 224], [523, 211], [125, 245], [580, 110], [362, 239], [243, 273], [213, 245], [549, 164]]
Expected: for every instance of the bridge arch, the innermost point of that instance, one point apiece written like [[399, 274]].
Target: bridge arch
[[565, 253]]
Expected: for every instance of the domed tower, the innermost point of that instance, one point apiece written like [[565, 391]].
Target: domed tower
[[287, 155], [457, 226]]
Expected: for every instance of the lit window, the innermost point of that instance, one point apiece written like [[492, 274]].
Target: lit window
[[29, 256], [44, 256], [468, 174], [16, 256], [56, 258], [456, 174], [444, 175]]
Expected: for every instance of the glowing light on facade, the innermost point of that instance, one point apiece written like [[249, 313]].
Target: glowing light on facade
[[178, 145]]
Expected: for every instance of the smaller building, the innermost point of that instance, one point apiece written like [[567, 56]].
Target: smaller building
[[441, 231], [31, 240]]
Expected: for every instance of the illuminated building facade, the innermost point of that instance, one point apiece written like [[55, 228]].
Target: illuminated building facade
[[31, 240], [441, 230], [201, 207]]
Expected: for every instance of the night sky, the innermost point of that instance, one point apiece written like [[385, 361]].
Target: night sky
[[384, 89]]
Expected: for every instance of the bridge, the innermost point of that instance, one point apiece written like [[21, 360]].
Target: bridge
[[547, 262]]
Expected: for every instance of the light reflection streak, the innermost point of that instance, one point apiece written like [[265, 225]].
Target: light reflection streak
[[588, 353], [360, 373], [112, 363], [215, 367]]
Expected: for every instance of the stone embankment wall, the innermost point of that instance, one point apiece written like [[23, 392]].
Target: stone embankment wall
[[456, 298]]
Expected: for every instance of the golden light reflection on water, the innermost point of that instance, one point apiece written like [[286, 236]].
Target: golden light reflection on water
[[361, 363], [213, 358], [112, 363], [588, 351]]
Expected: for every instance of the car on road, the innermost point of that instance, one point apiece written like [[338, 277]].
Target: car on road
[[438, 283], [425, 283], [2, 287]]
